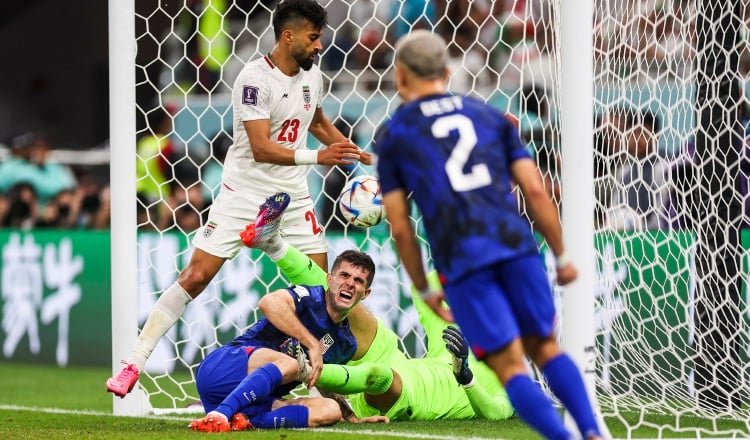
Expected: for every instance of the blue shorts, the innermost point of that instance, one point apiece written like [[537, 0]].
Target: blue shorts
[[220, 373], [497, 304]]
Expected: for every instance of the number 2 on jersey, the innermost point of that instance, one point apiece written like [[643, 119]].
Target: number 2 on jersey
[[310, 217], [289, 131], [479, 175]]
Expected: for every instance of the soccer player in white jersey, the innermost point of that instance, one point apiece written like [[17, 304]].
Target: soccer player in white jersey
[[276, 101]]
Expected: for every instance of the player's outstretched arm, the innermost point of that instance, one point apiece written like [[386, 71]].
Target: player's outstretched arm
[[544, 214], [347, 413], [485, 406], [397, 211], [488, 407], [263, 148], [339, 150]]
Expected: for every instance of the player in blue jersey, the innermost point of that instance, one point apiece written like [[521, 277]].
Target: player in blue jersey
[[241, 384], [457, 159]]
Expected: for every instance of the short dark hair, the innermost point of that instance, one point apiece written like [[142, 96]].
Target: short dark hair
[[356, 259], [297, 10]]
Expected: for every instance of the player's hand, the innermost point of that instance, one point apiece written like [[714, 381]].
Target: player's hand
[[436, 304], [371, 419], [339, 153], [315, 356], [366, 158], [458, 346], [566, 274]]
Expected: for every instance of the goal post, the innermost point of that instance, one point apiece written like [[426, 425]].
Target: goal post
[[122, 49], [577, 147]]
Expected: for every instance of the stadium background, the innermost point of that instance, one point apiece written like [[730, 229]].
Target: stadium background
[[54, 71], [55, 78]]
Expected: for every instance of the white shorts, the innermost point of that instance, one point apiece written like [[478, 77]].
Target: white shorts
[[220, 236]]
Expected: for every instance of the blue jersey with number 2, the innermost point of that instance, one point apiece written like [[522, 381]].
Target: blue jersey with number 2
[[453, 154]]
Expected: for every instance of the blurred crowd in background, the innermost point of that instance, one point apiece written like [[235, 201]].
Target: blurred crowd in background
[[37, 191], [508, 45]]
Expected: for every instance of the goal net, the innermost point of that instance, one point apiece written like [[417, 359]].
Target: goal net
[[669, 178]]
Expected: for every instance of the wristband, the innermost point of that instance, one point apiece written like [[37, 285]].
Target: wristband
[[426, 293], [305, 157], [470, 384], [562, 260]]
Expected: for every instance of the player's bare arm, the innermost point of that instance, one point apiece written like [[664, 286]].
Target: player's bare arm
[[543, 213], [397, 213], [347, 414], [278, 307], [339, 150], [264, 149]]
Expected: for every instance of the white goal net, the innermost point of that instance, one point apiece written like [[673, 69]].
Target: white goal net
[[670, 178]]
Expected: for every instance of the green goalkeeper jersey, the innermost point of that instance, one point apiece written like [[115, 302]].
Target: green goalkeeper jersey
[[430, 390]]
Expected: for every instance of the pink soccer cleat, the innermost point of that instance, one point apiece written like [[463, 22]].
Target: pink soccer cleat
[[122, 383], [268, 221], [213, 422]]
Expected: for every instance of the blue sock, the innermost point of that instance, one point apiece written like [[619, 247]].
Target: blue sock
[[535, 408], [290, 416], [255, 386], [564, 379]]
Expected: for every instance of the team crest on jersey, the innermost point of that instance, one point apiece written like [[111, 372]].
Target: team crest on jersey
[[209, 229], [301, 291], [326, 342], [249, 95], [306, 96]]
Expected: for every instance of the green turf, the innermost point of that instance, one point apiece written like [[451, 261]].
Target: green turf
[[44, 402]]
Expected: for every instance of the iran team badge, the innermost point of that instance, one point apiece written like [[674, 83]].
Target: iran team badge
[[306, 96], [209, 229]]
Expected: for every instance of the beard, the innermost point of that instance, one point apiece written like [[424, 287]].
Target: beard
[[306, 63]]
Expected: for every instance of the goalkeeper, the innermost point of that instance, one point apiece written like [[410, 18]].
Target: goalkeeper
[[447, 383]]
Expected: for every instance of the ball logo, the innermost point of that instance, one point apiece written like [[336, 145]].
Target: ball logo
[[361, 201]]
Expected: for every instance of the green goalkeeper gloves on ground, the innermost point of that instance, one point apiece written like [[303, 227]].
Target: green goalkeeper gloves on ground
[[459, 348]]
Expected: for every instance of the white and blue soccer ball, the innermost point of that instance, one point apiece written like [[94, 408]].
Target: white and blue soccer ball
[[361, 201]]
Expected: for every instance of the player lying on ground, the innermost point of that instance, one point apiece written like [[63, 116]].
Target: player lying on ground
[[241, 384], [381, 378]]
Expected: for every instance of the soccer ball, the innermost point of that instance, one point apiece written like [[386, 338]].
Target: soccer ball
[[361, 201]]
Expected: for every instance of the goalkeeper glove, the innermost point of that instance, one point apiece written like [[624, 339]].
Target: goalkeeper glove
[[459, 348], [292, 347]]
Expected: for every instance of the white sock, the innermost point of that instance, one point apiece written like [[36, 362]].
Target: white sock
[[276, 247], [165, 313]]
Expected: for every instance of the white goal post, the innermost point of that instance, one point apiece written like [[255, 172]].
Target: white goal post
[[636, 112]]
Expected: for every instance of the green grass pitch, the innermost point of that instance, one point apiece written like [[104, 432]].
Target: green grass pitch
[[46, 402]]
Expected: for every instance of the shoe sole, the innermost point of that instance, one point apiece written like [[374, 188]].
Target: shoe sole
[[274, 210]]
